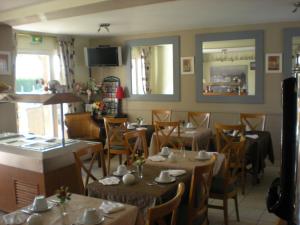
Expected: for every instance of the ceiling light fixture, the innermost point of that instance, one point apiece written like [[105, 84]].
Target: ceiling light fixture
[[296, 5], [105, 26]]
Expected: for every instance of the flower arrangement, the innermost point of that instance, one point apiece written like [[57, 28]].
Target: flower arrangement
[[139, 120], [139, 160], [98, 106], [63, 195]]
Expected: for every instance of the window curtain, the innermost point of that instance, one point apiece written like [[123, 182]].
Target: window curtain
[[67, 56]]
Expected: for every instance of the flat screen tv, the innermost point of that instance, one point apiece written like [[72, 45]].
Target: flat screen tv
[[103, 56]]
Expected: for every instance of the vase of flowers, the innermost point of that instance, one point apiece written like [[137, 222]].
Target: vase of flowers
[[63, 196], [98, 108], [139, 162], [139, 120]]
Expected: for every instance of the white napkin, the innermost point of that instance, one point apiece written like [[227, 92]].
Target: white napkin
[[111, 207], [110, 181], [141, 128], [14, 218], [253, 136], [176, 173], [157, 158]]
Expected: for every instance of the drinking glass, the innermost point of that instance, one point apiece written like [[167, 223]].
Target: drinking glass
[[182, 151]]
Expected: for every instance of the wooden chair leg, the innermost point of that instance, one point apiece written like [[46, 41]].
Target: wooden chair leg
[[99, 160], [236, 208], [104, 171], [243, 181], [225, 205], [108, 162], [120, 159]]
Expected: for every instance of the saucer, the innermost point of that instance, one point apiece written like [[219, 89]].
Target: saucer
[[115, 173], [164, 154], [81, 222], [171, 180], [50, 206], [203, 158]]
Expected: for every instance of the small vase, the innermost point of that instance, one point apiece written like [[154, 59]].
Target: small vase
[[62, 208], [139, 169]]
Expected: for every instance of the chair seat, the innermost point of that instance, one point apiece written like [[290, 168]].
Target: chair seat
[[217, 186], [118, 147]]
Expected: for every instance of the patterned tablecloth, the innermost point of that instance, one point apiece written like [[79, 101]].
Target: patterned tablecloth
[[76, 206], [197, 139], [140, 194]]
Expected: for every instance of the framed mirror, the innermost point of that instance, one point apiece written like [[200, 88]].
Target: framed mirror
[[291, 50], [153, 69], [229, 67]]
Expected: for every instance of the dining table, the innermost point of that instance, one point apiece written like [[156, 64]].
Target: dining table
[[144, 193], [75, 207], [258, 148], [195, 139]]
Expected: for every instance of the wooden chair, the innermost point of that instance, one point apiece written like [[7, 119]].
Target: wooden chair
[[226, 143], [199, 119], [161, 115], [115, 129], [163, 132], [253, 121], [136, 143], [224, 186], [199, 194], [92, 150], [157, 214], [81, 126]]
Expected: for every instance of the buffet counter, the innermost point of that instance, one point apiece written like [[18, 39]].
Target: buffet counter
[[33, 165]]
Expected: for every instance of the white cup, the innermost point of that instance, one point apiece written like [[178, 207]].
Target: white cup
[[203, 154], [35, 219], [121, 169], [165, 150], [164, 176], [40, 203], [189, 125], [90, 216]]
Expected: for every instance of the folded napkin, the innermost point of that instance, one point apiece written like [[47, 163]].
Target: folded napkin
[[176, 173], [111, 207], [253, 136], [14, 218], [157, 158], [110, 181]]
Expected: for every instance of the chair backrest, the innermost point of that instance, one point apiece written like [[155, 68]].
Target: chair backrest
[[164, 137], [161, 115], [157, 214], [115, 129], [253, 121], [226, 135], [199, 191], [199, 119], [136, 143], [93, 151], [81, 125]]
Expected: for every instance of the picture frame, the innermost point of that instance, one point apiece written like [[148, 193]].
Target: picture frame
[[274, 63], [5, 63], [187, 65]]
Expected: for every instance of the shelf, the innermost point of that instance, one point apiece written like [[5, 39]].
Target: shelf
[[45, 99]]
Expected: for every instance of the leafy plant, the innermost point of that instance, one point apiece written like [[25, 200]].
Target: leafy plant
[[63, 195]]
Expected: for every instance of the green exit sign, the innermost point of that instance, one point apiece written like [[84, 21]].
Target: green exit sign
[[35, 39]]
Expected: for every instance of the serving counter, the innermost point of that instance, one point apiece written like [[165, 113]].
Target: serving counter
[[32, 165]]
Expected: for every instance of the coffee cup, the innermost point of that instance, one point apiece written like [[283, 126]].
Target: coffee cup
[[164, 176], [90, 216], [189, 125], [121, 169], [165, 151], [40, 203], [203, 154]]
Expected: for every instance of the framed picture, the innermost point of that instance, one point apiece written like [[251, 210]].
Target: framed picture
[[187, 65], [5, 63], [274, 63]]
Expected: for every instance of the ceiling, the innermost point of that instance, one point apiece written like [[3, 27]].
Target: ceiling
[[82, 17]]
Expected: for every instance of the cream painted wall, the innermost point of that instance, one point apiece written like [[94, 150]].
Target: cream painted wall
[[7, 110], [226, 113]]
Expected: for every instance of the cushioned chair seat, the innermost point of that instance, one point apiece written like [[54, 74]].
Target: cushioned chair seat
[[118, 147], [217, 186]]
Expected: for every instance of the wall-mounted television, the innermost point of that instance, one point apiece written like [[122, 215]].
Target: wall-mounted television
[[103, 56]]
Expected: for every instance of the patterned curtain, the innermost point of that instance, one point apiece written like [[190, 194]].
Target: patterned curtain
[[67, 55], [146, 55]]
